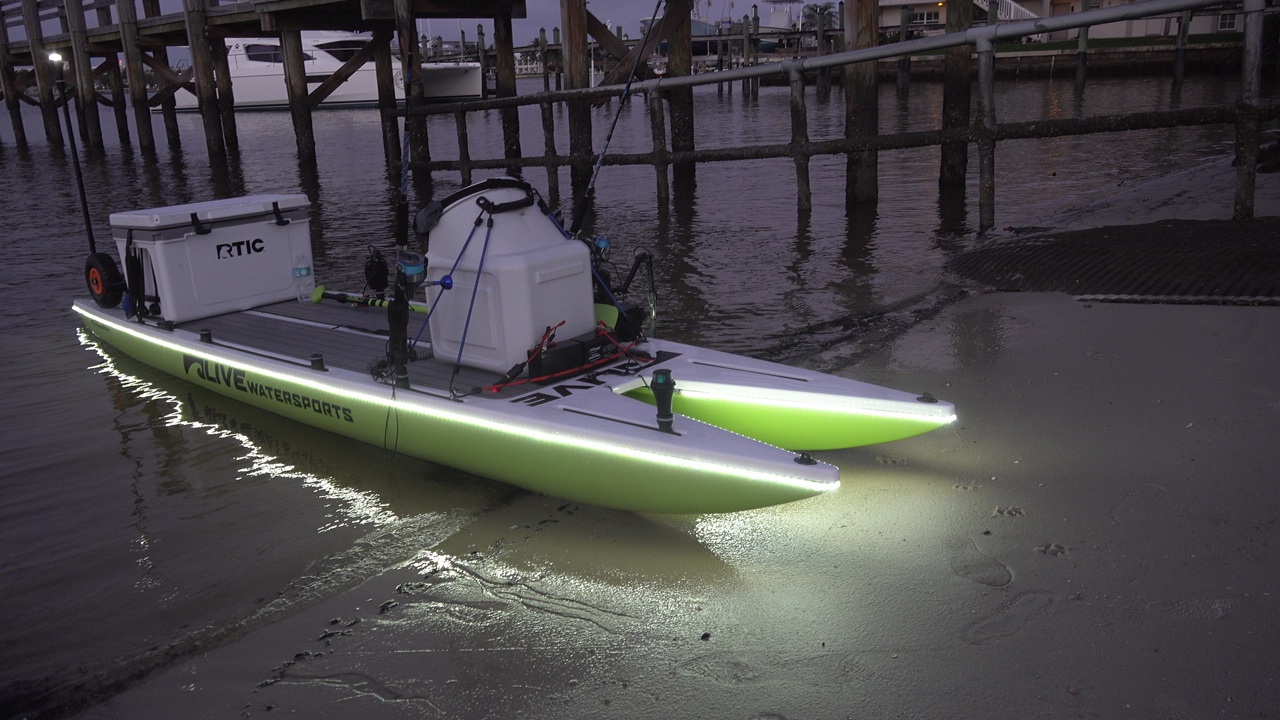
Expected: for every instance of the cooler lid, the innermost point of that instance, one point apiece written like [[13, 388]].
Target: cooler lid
[[207, 211]]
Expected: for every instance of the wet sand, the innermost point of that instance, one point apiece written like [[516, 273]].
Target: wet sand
[[1097, 536]]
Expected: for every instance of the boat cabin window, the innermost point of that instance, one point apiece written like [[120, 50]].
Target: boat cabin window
[[343, 50], [268, 53]]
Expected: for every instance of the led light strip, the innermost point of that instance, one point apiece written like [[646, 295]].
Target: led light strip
[[523, 431]]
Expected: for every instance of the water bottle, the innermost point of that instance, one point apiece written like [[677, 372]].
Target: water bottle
[[304, 283]]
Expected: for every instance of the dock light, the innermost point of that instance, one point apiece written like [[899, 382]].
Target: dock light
[[55, 57]]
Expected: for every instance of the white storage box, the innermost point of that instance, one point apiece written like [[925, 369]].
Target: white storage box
[[533, 278], [207, 258]]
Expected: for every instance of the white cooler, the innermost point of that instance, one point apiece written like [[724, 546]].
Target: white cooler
[[533, 278], [207, 258]]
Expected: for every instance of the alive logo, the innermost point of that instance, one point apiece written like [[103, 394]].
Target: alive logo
[[235, 378], [239, 248]]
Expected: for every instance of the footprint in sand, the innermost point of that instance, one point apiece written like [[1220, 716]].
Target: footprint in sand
[[1009, 619], [970, 563], [1139, 503], [1193, 609], [722, 669]]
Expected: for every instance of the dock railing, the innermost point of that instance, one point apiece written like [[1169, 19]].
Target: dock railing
[[1247, 114]]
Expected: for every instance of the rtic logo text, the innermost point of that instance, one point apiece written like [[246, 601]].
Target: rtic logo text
[[240, 248]]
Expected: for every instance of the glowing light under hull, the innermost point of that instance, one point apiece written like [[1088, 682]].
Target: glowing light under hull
[[559, 453]]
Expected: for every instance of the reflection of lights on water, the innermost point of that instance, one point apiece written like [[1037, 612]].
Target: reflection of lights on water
[[353, 506]]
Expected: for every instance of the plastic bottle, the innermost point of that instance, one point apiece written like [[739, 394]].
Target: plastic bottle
[[304, 282]]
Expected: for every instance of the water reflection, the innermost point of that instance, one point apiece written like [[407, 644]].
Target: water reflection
[[264, 453]]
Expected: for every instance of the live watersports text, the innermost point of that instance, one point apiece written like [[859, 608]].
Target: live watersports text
[[216, 373]]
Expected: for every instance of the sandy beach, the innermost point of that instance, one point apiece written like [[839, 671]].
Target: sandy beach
[[1097, 536]]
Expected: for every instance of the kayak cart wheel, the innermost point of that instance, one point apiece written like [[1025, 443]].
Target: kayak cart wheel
[[103, 277]]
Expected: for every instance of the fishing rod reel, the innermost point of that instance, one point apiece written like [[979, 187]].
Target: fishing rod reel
[[631, 321]]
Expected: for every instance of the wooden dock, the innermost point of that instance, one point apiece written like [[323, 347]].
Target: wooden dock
[[91, 35]]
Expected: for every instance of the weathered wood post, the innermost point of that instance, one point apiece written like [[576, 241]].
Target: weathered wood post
[[483, 57], [800, 139], [44, 72], [8, 83], [464, 146], [385, 74], [823, 82], [577, 75], [986, 134], [680, 100], [904, 62], [555, 40], [226, 95], [549, 152], [295, 81], [957, 76], [1082, 55], [862, 110], [167, 106], [111, 66], [82, 70], [658, 130], [1248, 124], [546, 61], [1180, 49], [202, 63], [411, 68], [137, 83], [505, 86]]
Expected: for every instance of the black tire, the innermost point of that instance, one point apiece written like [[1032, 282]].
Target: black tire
[[106, 285]]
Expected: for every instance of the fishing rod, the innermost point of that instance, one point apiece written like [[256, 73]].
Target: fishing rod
[[321, 293], [581, 212]]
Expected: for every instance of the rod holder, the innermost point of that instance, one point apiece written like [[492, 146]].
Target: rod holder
[[664, 388]]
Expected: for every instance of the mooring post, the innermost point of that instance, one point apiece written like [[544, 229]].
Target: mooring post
[[82, 66], [464, 146], [823, 82], [577, 75], [555, 40], [546, 61], [658, 130], [385, 75], [202, 64], [957, 78], [133, 66], [680, 100], [483, 57], [8, 83], [168, 111], [862, 109], [414, 96], [746, 54], [44, 69], [1180, 49], [800, 139], [1082, 56], [1247, 124], [295, 81], [986, 134], [549, 152], [226, 95], [505, 86], [112, 67], [904, 62]]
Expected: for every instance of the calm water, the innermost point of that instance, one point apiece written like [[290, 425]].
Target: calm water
[[142, 514]]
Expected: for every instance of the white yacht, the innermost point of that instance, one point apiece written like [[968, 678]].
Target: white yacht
[[257, 74]]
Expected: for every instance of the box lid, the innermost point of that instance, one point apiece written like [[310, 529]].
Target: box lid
[[207, 211]]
